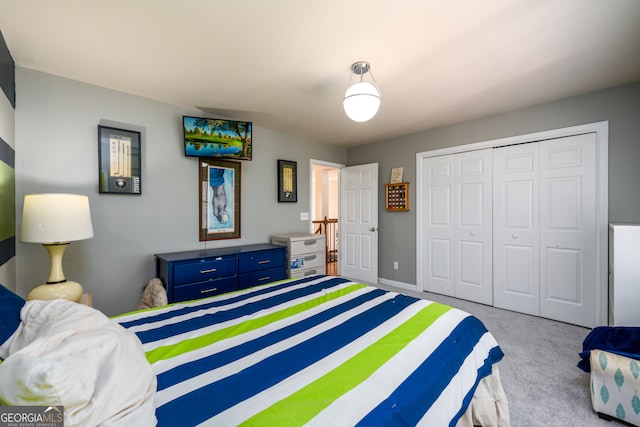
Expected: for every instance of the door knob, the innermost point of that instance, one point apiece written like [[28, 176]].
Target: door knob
[[514, 236], [372, 229], [472, 233]]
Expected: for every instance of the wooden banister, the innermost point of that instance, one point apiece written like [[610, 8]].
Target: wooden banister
[[329, 227]]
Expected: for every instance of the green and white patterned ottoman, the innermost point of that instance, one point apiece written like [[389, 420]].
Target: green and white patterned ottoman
[[615, 385]]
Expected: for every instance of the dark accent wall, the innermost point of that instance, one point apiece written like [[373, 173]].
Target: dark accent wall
[[7, 72], [7, 160]]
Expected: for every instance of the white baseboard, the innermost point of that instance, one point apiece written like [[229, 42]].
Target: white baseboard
[[395, 284]]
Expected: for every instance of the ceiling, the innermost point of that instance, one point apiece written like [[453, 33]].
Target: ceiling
[[285, 64]]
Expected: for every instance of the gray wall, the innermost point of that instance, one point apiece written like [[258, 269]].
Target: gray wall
[[56, 140], [620, 106]]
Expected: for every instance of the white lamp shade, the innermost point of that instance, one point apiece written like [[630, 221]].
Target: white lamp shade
[[55, 218], [361, 101]]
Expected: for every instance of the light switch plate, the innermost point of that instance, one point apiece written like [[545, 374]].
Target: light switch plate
[[304, 216]]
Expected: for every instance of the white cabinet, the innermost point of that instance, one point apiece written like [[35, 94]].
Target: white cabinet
[[624, 275], [306, 253]]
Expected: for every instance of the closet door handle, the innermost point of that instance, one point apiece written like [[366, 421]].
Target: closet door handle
[[514, 236], [472, 233]]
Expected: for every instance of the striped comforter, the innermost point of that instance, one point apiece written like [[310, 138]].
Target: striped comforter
[[320, 351]]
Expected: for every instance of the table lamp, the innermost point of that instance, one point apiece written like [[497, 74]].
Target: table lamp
[[55, 220]]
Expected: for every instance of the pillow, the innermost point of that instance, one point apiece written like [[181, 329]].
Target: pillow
[[10, 306], [72, 355]]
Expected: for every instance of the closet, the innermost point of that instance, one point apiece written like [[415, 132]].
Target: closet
[[514, 226], [458, 225]]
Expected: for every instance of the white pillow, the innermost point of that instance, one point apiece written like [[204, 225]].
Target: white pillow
[[69, 354]]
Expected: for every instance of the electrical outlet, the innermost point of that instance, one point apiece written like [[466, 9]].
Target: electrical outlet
[[395, 265], [304, 216]]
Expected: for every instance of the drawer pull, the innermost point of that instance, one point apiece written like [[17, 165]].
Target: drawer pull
[[266, 261], [262, 279], [207, 291], [211, 270], [310, 257], [311, 272], [310, 242]]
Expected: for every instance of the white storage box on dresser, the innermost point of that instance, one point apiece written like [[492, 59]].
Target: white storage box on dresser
[[624, 274], [306, 253]]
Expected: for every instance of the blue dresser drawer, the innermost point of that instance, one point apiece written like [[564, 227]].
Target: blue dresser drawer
[[190, 275], [260, 277], [261, 260], [205, 289], [205, 269]]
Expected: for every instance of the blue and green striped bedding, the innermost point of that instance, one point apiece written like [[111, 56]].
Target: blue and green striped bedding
[[320, 350]]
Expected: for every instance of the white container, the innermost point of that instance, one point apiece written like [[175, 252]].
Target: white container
[[306, 253]]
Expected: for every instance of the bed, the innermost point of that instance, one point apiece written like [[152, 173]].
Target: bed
[[320, 350]]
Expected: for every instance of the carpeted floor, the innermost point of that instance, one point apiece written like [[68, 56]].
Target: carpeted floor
[[538, 372]]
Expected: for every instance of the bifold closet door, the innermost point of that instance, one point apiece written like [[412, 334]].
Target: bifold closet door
[[458, 254], [544, 223], [438, 235], [516, 242], [568, 229], [472, 206]]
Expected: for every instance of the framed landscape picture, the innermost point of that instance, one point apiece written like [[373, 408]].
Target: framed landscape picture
[[219, 199], [224, 139]]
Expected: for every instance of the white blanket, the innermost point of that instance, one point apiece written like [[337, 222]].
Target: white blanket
[[68, 354]]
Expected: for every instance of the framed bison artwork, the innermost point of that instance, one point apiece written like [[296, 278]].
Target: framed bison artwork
[[219, 199]]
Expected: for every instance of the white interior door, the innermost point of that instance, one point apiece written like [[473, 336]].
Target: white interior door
[[472, 207], [568, 229], [516, 243], [359, 222], [438, 230]]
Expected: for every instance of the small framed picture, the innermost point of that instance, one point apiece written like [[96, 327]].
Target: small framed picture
[[396, 175], [219, 199], [287, 181], [119, 161]]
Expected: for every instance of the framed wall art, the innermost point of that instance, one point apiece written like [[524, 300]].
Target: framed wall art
[[119, 161], [224, 139], [219, 199], [396, 175], [287, 181]]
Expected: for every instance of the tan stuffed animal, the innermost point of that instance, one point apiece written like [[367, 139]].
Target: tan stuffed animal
[[153, 295]]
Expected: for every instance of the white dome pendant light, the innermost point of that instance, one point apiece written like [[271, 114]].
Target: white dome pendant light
[[362, 99]]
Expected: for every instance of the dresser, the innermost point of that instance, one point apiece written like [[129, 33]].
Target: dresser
[[624, 275], [197, 274], [306, 253]]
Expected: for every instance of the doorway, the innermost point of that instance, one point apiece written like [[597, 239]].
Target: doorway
[[325, 208]]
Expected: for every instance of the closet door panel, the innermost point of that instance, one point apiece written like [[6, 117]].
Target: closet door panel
[[568, 229], [516, 245], [473, 226], [438, 235]]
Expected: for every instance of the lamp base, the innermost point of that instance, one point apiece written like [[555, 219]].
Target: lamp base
[[68, 290]]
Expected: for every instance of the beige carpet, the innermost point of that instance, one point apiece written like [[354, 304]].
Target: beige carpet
[[538, 372]]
